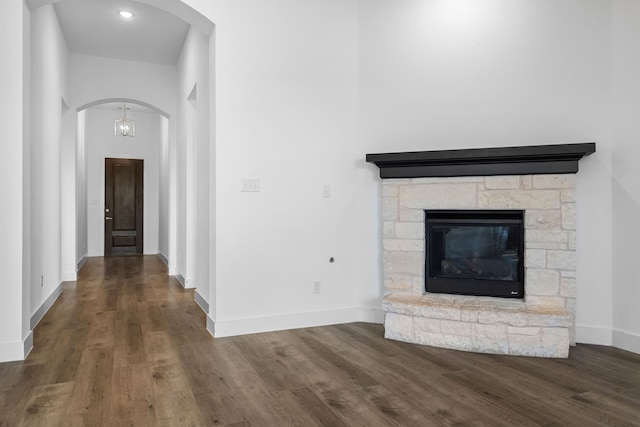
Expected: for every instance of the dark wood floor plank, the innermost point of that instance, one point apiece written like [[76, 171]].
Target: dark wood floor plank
[[127, 345], [132, 401], [569, 376], [311, 371], [261, 408], [47, 405], [274, 373], [175, 403], [342, 366], [214, 397], [353, 408], [308, 409], [397, 406], [425, 374], [16, 385], [623, 408], [89, 401]]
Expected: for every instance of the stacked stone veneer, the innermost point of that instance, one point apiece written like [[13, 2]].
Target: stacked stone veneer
[[540, 325]]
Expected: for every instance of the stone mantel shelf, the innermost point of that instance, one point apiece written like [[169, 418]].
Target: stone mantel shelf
[[526, 160]]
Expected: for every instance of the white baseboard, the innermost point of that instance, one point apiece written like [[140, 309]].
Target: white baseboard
[[228, 328], [81, 262], [163, 258], [27, 345], [187, 283], [371, 315], [593, 335], [37, 316], [211, 326], [19, 350], [626, 341], [202, 303], [179, 278], [611, 337]]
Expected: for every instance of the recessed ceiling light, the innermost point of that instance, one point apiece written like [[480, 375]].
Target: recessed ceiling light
[[125, 14]]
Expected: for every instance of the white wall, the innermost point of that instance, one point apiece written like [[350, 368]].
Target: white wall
[[101, 143], [164, 190], [466, 74], [96, 78], [68, 215], [211, 297], [626, 174], [286, 114], [192, 162], [80, 205], [49, 59], [14, 75]]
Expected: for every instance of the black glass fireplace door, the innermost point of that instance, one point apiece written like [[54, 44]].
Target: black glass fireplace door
[[475, 252]]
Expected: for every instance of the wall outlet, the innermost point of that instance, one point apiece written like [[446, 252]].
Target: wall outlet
[[316, 287], [42, 281], [250, 185]]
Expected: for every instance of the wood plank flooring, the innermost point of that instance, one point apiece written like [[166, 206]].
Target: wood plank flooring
[[126, 346]]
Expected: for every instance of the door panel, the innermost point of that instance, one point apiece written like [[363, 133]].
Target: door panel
[[123, 206]]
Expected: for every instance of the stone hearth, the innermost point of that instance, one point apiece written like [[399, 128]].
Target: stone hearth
[[541, 324]]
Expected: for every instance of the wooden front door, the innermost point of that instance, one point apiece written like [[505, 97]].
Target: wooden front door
[[123, 206]]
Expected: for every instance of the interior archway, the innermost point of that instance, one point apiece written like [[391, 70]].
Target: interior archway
[[127, 100]]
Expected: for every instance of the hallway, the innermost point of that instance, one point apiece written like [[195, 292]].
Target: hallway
[[126, 346], [109, 351]]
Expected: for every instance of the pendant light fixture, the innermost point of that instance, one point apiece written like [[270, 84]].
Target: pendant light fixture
[[124, 127]]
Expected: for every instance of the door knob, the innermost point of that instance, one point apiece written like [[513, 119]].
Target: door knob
[[107, 218]]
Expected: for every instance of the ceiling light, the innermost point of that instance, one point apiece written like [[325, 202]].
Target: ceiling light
[[124, 127], [125, 14]]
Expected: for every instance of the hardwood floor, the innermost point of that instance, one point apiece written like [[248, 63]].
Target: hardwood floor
[[126, 346]]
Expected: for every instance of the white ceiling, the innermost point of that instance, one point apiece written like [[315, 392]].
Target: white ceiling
[[93, 27]]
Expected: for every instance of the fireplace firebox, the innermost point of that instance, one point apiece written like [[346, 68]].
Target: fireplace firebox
[[475, 252]]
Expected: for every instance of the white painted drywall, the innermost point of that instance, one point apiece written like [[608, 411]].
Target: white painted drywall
[[27, 333], [101, 143], [96, 78], [192, 163], [68, 215], [164, 190], [626, 174], [49, 59], [467, 74], [14, 316], [211, 120], [286, 114], [80, 204]]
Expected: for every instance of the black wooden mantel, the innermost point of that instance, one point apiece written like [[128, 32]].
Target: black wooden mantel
[[526, 160]]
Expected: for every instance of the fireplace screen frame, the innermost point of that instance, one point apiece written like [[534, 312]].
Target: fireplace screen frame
[[474, 286]]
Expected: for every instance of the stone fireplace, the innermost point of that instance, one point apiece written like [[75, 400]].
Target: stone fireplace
[[538, 323]]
